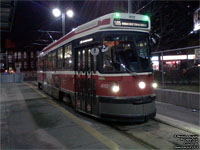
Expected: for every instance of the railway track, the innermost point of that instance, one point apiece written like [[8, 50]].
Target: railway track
[[155, 134]]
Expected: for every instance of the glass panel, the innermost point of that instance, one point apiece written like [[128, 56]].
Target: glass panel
[[68, 57], [60, 57], [60, 53], [19, 55], [24, 54], [31, 54], [15, 55], [83, 61], [49, 62], [32, 64], [25, 65], [126, 53], [54, 59], [79, 61], [89, 60]]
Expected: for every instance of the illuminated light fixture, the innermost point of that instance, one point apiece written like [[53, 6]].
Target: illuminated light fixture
[[142, 85], [85, 41], [155, 62], [70, 13], [154, 58], [191, 56], [117, 15], [115, 88], [174, 57], [154, 85], [146, 18], [56, 12]]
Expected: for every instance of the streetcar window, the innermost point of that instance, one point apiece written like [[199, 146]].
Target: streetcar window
[[54, 60], [38, 64], [45, 63], [49, 61], [126, 53], [143, 51], [68, 57], [60, 57], [79, 61], [89, 60], [41, 64], [83, 61]]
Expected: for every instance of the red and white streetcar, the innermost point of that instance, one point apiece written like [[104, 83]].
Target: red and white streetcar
[[103, 68]]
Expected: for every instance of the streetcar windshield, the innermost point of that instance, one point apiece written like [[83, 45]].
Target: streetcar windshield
[[126, 53]]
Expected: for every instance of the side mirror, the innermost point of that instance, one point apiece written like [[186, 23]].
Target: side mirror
[[153, 40], [104, 48], [154, 37]]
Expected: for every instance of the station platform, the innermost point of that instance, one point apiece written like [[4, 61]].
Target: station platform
[[32, 120]]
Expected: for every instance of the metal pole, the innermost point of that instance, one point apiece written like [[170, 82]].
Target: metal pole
[[129, 6], [63, 23], [162, 67], [6, 60]]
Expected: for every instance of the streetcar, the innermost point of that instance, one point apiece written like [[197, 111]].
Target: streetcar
[[103, 68]]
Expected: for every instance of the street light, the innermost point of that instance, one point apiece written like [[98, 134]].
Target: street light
[[70, 13], [56, 12]]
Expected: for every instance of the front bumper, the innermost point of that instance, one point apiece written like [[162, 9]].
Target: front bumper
[[136, 100], [128, 118], [128, 109]]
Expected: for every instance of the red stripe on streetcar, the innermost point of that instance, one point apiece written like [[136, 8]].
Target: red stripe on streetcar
[[100, 23]]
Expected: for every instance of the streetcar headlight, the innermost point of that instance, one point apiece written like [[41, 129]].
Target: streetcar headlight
[[154, 85], [142, 85], [115, 88]]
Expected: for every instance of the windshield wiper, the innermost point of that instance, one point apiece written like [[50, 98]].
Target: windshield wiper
[[132, 73]]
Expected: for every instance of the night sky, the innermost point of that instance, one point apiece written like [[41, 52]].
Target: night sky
[[172, 20]]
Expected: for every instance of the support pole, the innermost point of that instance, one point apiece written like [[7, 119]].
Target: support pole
[[162, 67], [6, 60], [63, 23], [129, 6]]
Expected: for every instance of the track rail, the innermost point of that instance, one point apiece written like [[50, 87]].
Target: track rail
[[157, 135]]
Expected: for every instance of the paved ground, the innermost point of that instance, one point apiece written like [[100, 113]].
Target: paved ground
[[179, 113], [31, 121]]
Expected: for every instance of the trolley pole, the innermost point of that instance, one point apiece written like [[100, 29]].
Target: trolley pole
[[63, 23]]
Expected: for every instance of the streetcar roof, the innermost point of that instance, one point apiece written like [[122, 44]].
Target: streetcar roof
[[102, 23]]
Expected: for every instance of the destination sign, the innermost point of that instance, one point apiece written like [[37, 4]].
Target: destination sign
[[130, 23]]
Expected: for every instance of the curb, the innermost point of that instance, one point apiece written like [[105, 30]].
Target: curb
[[178, 124]]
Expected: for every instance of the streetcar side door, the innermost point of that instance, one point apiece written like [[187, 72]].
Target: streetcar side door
[[85, 89]]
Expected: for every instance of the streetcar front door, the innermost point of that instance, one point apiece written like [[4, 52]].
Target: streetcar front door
[[85, 82]]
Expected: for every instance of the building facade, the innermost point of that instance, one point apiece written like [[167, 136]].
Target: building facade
[[19, 61]]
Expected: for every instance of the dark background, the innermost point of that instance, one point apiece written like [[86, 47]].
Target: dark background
[[172, 21]]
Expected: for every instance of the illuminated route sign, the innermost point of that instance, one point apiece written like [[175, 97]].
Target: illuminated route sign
[[130, 23]]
